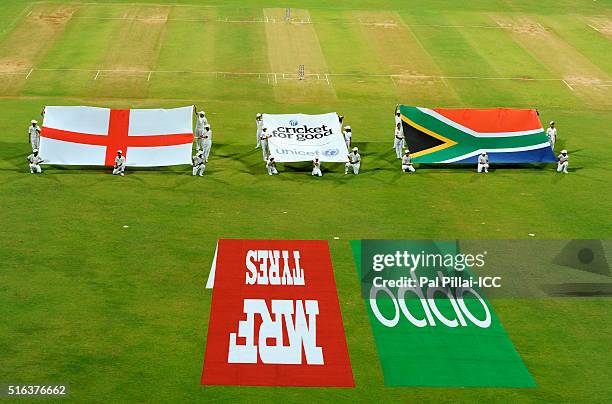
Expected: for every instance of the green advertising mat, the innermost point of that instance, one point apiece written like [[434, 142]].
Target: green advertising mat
[[433, 340]]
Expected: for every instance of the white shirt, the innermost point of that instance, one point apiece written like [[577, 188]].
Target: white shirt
[[316, 164], [259, 123], [264, 136], [34, 130], [398, 119], [197, 160], [120, 162], [562, 158], [347, 135], [483, 159], [551, 133], [407, 160], [271, 163], [355, 158], [35, 159], [208, 135], [399, 134], [201, 123]]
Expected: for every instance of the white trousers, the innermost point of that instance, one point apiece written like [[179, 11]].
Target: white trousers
[[35, 168], [483, 167], [258, 139], [35, 141], [198, 170], [408, 168], [348, 144], [206, 146], [317, 171], [118, 170], [199, 141], [562, 167], [399, 143], [265, 151], [355, 166], [272, 170]]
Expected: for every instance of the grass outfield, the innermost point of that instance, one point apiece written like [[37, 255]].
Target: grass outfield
[[121, 313]]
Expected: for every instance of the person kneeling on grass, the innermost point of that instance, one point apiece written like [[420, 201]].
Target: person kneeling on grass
[[483, 163], [407, 163], [563, 162], [271, 166], [316, 168], [354, 161], [34, 159], [198, 164], [119, 167]]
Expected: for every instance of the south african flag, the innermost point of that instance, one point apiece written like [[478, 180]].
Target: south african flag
[[443, 135]]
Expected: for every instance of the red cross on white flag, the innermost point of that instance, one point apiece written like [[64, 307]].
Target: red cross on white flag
[[92, 136]]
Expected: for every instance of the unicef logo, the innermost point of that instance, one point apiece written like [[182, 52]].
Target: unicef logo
[[293, 122], [331, 152]]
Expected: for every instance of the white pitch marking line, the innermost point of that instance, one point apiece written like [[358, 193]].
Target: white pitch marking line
[[149, 77], [97, 74], [327, 79], [568, 85], [393, 80], [29, 73], [30, 13], [593, 28], [273, 21], [276, 74]]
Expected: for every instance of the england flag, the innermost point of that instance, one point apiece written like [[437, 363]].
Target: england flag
[[92, 136]]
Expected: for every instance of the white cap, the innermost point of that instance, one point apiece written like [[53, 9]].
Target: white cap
[[483, 153], [407, 151], [259, 114], [552, 122], [355, 149], [120, 151], [199, 153], [563, 151], [35, 151], [347, 127], [34, 121], [201, 113]]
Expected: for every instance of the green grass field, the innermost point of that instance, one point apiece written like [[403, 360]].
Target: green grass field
[[121, 313]]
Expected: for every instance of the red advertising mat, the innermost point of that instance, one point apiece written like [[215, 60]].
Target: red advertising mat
[[275, 318]]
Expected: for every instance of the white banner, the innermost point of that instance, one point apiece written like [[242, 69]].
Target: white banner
[[92, 136], [301, 137]]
